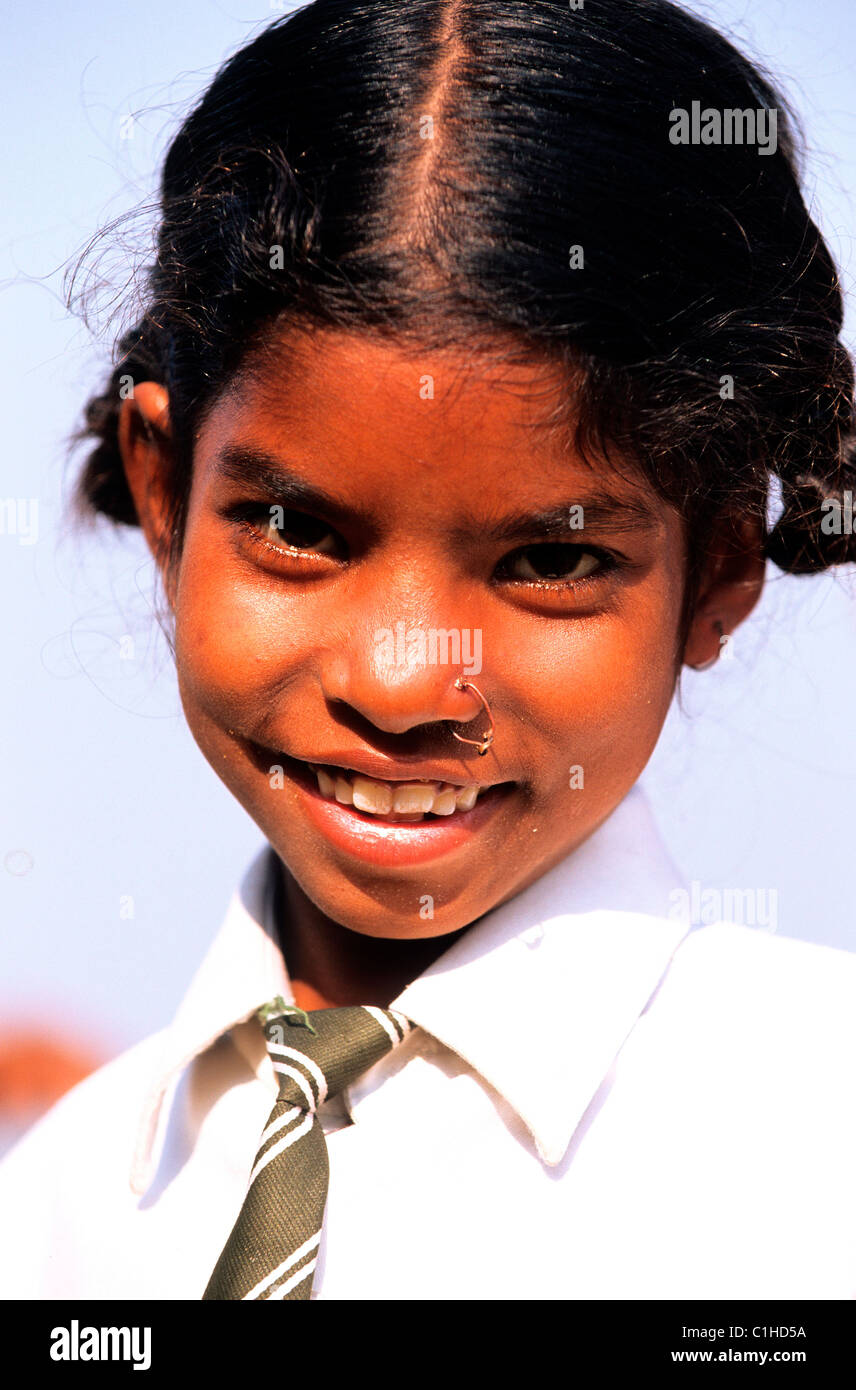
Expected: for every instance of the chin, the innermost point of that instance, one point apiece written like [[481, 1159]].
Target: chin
[[383, 909]]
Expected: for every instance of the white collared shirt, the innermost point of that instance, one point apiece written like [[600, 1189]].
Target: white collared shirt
[[596, 1102]]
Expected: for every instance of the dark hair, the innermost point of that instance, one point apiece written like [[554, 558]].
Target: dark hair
[[549, 129]]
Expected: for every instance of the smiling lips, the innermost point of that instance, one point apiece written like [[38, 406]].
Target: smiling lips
[[389, 825], [395, 801]]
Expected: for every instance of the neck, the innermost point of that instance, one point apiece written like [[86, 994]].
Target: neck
[[331, 966]]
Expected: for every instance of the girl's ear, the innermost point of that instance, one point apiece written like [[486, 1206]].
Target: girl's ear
[[145, 443], [730, 588]]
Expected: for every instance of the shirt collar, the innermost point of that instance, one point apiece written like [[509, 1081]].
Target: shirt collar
[[242, 970], [564, 969]]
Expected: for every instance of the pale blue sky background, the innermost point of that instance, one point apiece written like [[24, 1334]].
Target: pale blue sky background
[[106, 797]]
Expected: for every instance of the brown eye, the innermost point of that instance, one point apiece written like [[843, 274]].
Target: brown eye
[[297, 530], [561, 563]]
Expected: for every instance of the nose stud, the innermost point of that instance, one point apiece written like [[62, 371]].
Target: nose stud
[[483, 743]]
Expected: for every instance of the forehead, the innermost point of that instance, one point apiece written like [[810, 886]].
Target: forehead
[[383, 417]]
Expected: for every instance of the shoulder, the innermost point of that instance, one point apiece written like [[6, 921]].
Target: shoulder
[[762, 993], [73, 1162], [739, 957], [751, 1040], [96, 1118], [120, 1085]]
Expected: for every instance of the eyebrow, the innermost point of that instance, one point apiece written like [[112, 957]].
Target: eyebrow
[[255, 468], [600, 512], [250, 466]]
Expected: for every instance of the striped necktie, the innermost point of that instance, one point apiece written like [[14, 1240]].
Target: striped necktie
[[273, 1247]]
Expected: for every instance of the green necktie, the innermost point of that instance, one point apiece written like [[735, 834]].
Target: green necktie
[[273, 1247]]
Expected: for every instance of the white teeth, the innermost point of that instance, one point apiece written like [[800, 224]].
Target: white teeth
[[326, 785], [343, 793], [415, 796], [409, 801], [375, 797]]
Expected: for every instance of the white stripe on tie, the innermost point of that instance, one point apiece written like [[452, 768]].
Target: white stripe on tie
[[380, 1017], [286, 1265], [287, 1140], [297, 1076], [292, 1283], [276, 1125], [279, 1050]]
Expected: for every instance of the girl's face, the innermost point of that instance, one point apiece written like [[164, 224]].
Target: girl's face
[[366, 524]]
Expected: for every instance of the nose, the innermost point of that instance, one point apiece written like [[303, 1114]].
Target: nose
[[401, 676]]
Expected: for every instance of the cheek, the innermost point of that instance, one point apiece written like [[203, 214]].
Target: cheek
[[603, 695], [235, 644]]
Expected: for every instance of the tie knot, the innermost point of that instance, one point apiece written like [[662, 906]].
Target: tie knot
[[318, 1054]]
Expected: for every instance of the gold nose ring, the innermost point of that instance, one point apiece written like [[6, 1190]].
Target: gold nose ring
[[483, 743]]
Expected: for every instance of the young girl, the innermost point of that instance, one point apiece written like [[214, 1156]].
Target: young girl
[[488, 352]]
